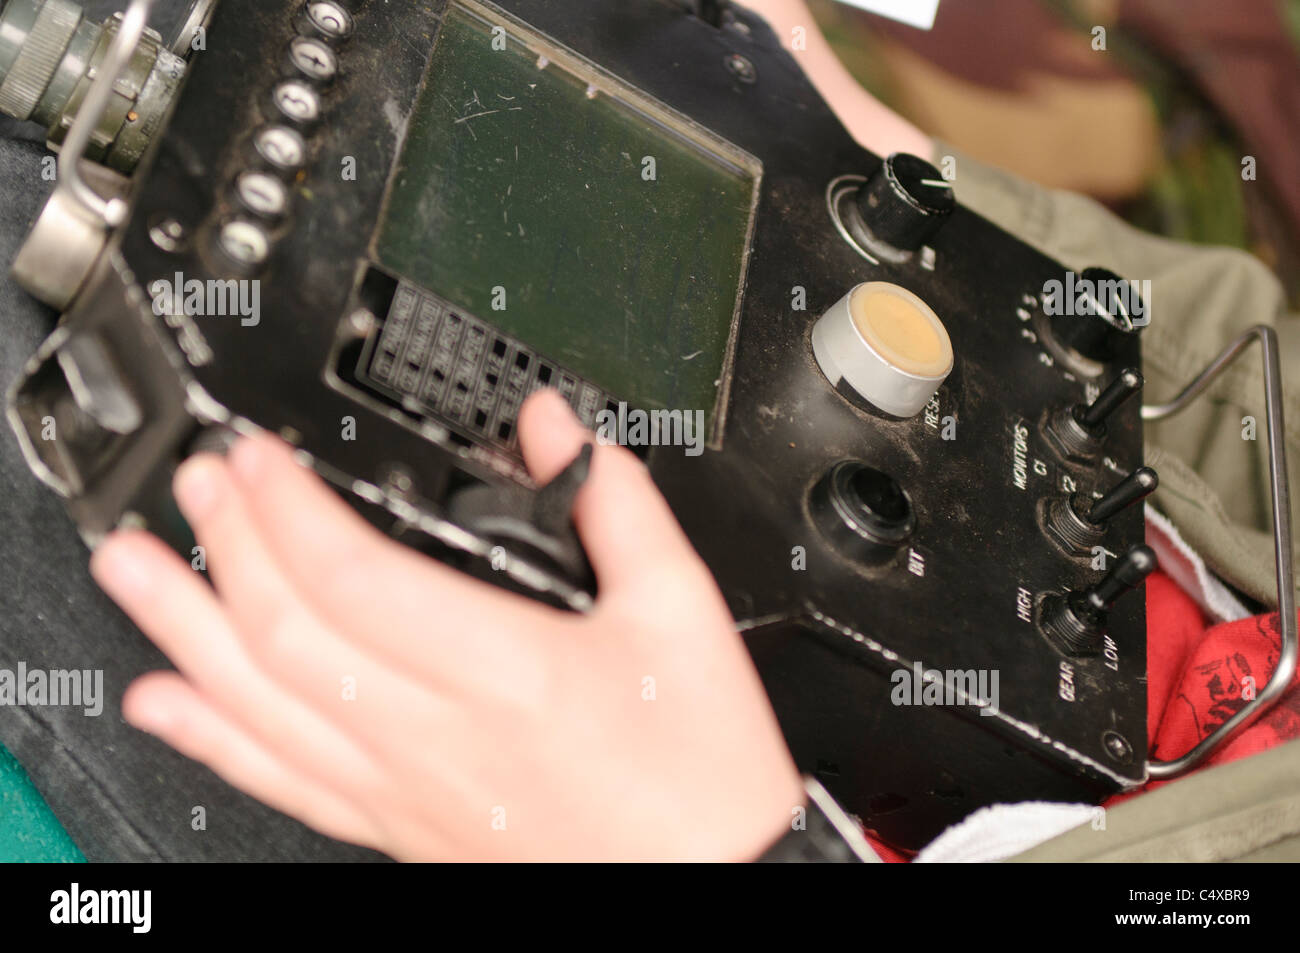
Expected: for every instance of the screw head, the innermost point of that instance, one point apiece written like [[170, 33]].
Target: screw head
[[399, 480], [742, 68], [362, 321], [1117, 746], [167, 233]]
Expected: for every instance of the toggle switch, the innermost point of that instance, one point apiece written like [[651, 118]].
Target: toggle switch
[[887, 345], [1077, 433], [1076, 622], [1077, 524], [1138, 485]]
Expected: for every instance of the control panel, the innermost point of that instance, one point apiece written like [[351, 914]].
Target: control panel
[[918, 467]]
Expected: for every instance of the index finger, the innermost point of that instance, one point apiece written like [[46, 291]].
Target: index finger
[[401, 605]]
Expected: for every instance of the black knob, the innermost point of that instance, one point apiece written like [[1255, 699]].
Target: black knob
[[905, 202], [1118, 392], [1076, 622], [1097, 312], [1138, 485]]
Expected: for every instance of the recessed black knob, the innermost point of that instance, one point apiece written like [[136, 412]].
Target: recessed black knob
[[1098, 312], [1076, 622], [904, 203], [862, 511]]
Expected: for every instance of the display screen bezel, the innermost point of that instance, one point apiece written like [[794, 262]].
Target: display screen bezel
[[658, 116]]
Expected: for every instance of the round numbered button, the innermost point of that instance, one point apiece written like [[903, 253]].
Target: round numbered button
[[263, 195], [281, 147], [313, 58], [296, 101], [245, 243], [329, 20]]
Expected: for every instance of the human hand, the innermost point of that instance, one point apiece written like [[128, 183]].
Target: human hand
[[390, 701], [873, 124]]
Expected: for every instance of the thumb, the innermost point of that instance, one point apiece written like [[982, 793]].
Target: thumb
[[623, 520]]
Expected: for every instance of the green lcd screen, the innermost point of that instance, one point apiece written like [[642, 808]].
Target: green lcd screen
[[576, 215]]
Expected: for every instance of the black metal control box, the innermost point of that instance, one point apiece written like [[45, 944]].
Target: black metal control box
[[838, 640]]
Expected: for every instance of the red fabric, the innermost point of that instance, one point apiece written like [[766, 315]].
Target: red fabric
[[1198, 676]]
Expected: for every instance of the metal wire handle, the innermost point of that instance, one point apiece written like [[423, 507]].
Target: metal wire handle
[[112, 212], [1281, 499]]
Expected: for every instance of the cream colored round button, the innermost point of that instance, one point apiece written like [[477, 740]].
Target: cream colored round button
[[887, 344]]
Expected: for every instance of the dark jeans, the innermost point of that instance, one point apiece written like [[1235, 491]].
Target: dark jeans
[[121, 794]]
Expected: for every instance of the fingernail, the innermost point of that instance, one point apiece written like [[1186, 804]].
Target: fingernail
[[248, 460], [152, 719], [568, 408], [198, 486], [118, 568], [555, 398]]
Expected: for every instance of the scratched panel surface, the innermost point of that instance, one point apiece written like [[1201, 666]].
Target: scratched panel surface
[[959, 594], [513, 177]]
